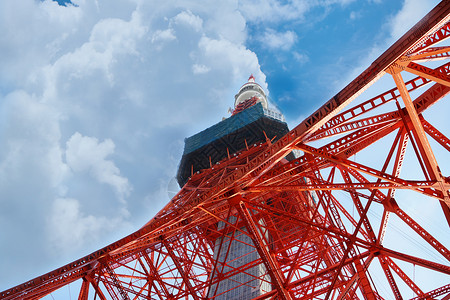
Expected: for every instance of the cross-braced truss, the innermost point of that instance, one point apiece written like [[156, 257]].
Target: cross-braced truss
[[326, 225]]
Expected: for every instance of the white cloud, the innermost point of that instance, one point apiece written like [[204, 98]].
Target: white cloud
[[108, 40], [189, 19], [226, 22], [222, 54], [116, 35], [200, 69], [30, 135], [35, 35], [278, 40], [184, 19], [276, 10], [87, 154], [70, 229], [300, 57], [355, 15], [98, 69], [273, 10], [398, 24], [411, 12], [164, 35]]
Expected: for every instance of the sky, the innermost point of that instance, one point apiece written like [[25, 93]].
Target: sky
[[97, 96]]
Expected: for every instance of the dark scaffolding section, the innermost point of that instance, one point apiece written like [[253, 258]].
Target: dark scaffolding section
[[213, 144]]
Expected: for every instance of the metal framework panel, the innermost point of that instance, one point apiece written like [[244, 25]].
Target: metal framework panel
[[322, 226]]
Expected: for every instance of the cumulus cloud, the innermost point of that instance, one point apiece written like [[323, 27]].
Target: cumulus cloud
[[411, 12], [189, 19], [396, 25], [355, 15], [87, 154], [273, 10], [164, 35], [95, 102], [300, 57], [217, 53], [276, 10], [27, 46], [200, 69], [278, 40], [30, 133], [70, 229]]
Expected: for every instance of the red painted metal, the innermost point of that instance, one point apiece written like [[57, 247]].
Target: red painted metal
[[312, 221], [244, 105]]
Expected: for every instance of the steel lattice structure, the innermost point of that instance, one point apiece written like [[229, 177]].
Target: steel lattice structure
[[298, 214]]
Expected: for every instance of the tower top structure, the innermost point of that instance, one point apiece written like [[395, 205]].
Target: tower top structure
[[250, 90], [250, 123]]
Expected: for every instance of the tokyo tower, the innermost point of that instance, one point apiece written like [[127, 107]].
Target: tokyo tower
[[316, 212]]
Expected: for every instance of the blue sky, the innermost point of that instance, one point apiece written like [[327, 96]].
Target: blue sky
[[97, 97], [329, 43]]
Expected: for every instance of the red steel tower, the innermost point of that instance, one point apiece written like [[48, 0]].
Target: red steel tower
[[257, 222]]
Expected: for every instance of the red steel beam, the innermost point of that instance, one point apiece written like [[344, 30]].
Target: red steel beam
[[422, 141], [418, 131], [402, 275], [390, 278], [427, 41], [435, 134], [359, 167], [416, 260], [435, 293], [431, 53], [369, 105], [422, 232], [364, 284], [428, 73], [155, 274], [407, 184], [84, 290], [97, 289], [359, 208], [181, 270], [268, 158], [262, 248]]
